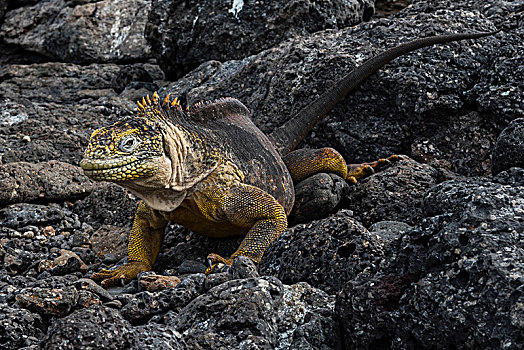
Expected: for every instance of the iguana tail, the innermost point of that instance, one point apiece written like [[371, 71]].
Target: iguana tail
[[289, 135]]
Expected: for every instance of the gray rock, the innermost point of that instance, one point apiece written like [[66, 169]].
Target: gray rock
[[91, 286], [22, 214], [451, 282], [47, 301], [210, 30], [53, 180], [108, 204], [395, 193], [307, 319], [428, 96], [232, 315], [96, 327], [80, 32], [243, 268], [463, 145], [512, 176], [509, 149], [156, 336], [191, 266], [215, 279], [19, 327], [325, 253], [389, 230], [316, 197], [142, 306]]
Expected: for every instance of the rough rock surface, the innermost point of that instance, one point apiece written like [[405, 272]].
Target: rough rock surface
[[186, 34], [80, 31], [438, 103], [52, 181], [509, 149], [324, 253], [235, 314], [452, 281], [419, 255], [317, 196], [394, 193]]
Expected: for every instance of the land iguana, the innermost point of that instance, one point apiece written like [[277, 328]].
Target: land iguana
[[211, 170]]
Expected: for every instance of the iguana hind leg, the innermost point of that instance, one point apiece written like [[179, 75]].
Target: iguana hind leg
[[304, 163], [362, 170], [250, 207]]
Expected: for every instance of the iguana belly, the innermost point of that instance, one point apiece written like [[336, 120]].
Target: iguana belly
[[189, 216]]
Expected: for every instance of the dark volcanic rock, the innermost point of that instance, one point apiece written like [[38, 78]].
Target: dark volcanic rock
[[107, 204], [142, 306], [452, 282], [156, 336], [96, 327], [325, 253], [243, 267], [307, 319], [424, 98], [52, 181], [49, 110], [48, 302], [20, 215], [466, 142], [235, 314], [211, 30], [447, 274], [80, 31], [316, 197], [394, 193], [19, 327], [509, 149]]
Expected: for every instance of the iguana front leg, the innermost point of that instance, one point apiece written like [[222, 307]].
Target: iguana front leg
[[248, 207], [144, 244]]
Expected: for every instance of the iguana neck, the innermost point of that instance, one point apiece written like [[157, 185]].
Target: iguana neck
[[192, 157]]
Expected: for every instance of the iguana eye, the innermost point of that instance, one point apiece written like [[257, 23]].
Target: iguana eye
[[128, 144]]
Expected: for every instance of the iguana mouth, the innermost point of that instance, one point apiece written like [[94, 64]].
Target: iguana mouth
[[122, 169], [95, 165]]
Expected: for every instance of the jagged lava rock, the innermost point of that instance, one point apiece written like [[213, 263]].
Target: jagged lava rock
[[53, 180], [325, 253], [49, 110], [234, 314], [316, 197], [509, 149], [394, 193], [20, 327], [453, 281], [424, 103], [186, 34], [80, 32]]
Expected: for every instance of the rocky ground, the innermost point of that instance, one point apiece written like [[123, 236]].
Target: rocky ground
[[426, 254]]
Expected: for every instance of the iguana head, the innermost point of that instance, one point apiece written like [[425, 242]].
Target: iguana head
[[131, 150]]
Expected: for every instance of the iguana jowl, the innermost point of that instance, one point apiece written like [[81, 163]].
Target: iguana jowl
[[210, 169]]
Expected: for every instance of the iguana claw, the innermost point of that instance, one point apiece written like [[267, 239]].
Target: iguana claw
[[122, 275], [214, 259], [360, 171]]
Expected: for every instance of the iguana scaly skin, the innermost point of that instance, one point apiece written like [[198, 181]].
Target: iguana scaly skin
[[210, 169]]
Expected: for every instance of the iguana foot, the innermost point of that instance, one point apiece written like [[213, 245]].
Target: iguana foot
[[214, 259], [360, 171], [122, 275]]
